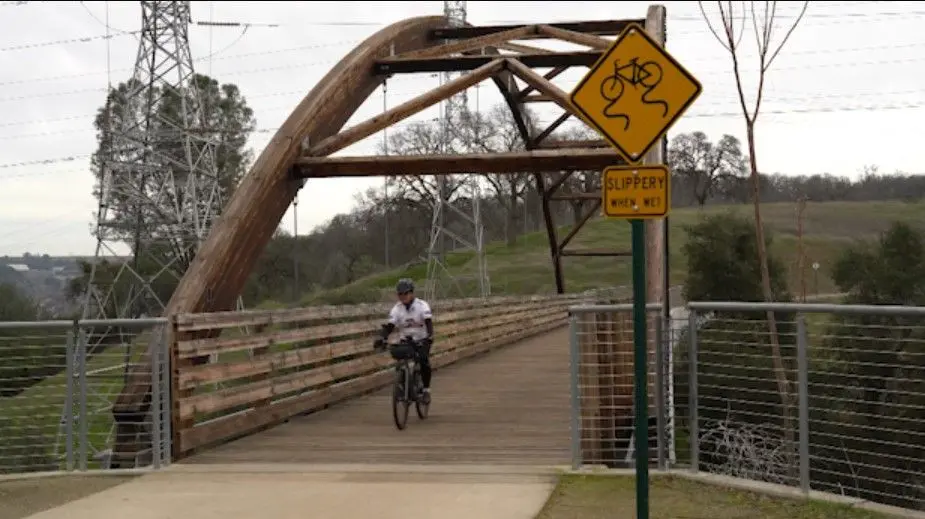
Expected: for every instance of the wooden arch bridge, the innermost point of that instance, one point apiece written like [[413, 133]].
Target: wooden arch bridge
[[305, 359]]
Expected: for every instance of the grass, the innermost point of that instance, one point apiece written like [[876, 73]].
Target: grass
[[21, 498], [614, 497], [30, 422], [525, 267]]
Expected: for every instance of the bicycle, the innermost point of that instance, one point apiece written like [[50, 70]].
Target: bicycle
[[408, 384]]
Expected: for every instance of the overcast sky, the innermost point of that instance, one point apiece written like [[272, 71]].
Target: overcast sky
[[847, 90]]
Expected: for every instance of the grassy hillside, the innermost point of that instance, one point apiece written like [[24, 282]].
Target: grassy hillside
[[526, 268]]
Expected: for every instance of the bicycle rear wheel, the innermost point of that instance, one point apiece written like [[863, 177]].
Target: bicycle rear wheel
[[400, 404], [419, 405]]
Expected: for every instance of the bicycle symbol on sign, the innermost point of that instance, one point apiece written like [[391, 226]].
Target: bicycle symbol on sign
[[646, 75]]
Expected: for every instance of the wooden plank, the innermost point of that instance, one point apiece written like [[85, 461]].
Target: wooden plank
[[551, 128], [599, 27], [545, 86], [195, 376], [549, 76], [202, 347], [512, 162], [579, 38], [263, 389], [524, 49], [537, 98], [407, 109], [250, 318], [470, 44], [463, 63], [215, 320]]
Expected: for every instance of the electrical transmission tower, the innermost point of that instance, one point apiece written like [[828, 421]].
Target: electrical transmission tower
[[467, 192], [159, 189]]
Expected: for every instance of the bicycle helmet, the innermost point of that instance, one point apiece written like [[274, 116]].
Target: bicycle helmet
[[404, 286]]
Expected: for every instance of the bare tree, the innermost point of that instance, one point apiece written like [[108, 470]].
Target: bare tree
[[494, 133], [730, 37], [578, 181], [421, 138], [704, 165]]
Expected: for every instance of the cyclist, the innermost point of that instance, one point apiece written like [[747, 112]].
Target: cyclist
[[413, 318]]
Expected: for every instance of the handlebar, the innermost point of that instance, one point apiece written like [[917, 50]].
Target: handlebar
[[404, 341]]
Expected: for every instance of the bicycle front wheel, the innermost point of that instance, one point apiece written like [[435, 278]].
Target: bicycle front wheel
[[420, 405], [400, 404]]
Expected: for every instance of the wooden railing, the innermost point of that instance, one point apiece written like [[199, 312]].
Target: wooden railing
[[299, 360]]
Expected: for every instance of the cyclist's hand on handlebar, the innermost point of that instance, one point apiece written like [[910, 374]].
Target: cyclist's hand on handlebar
[[427, 341], [379, 344]]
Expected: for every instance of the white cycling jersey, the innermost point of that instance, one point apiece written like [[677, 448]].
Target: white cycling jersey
[[410, 321]]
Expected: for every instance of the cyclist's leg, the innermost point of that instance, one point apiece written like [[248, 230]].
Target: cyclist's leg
[[425, 367]]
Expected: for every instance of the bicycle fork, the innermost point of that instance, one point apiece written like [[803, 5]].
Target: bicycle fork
[[408, 382]]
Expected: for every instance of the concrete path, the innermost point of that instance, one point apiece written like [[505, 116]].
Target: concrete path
[[351, 491]]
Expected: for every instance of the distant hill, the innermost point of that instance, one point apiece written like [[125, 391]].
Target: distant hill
[[10, 276], [43, 278], [525, 268]]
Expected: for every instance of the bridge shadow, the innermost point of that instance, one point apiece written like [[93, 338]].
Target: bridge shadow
[[509, 406]]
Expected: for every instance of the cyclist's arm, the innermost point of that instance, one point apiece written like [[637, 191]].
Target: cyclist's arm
[[387, 329], [429, 326], [428, 322]]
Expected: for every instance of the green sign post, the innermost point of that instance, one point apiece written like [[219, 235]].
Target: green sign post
[[640, 364], [632, 96]]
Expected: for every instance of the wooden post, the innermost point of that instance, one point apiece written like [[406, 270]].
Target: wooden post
[[655, 235]]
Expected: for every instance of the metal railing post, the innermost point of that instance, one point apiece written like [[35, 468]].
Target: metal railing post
[[574, 407], [803, 401], [156, 401], [692, 397], [69, 402], [167, 402], [83, 416], [660, 401]]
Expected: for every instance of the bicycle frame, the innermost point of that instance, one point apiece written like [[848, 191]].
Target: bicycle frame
[[407, 369]]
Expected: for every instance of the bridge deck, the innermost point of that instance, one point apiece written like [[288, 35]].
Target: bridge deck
[[510, 406]]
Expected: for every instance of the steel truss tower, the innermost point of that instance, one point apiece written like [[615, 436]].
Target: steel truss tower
[[440, 282], [159, 189]]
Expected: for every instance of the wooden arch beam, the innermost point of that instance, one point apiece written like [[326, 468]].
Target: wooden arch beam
[[250, 217], [218, 273]]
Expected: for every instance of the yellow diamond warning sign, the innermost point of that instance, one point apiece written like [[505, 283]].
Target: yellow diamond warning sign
[[636, 192], [634, 93]]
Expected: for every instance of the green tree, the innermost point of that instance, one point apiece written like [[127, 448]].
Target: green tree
[[722, 265], [739, 403], [26, 356], [226, 119], [868, 379]]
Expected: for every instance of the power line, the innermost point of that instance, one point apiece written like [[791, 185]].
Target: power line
[[120, 32], [811, 52], [695, 115], [855, 17], [233, 56], [106, 23], [798, 97], [84, 39]]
